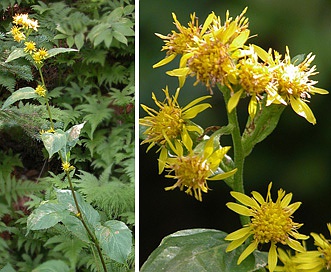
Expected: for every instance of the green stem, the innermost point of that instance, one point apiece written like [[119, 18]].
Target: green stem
[[81, 218], [47, 104], [239, 156]]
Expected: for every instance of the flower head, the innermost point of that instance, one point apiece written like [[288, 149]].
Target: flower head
[[271, 222], [208, 52], [192, 170], [294, 85], [170, 120], [40, 55], [40, 90], [30, 47], [24, 21], [317, 260], [17, 34], [67, 167]]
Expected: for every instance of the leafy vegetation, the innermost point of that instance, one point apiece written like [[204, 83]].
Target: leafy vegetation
[[94, 87]]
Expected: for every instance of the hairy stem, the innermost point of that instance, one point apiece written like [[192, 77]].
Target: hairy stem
[[81, 218], [47, 104], [239, 155]]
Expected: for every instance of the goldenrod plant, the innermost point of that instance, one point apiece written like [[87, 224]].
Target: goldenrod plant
[[74, 219], [220, 54]]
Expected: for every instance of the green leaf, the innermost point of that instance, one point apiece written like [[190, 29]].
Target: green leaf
[[115, 239], [54, 142], [90, 214], [54, 51], [79, 40], [15, 54], [20, 94], [261, 126], [7, 268], [52, 266], [200, 250], [75, 226], [46, 216]]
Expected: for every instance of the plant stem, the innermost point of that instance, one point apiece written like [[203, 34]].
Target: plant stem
[[81, 218], [239, 156], [47, 104]]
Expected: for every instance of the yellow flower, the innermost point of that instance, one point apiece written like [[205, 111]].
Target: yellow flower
[[177, 43], [209, 52], [30, 47], [25, 21], [67, 167], [294, 86], [317, 260], [288, 260], [194, 169], [271, 222], [17, 34], [255, 79], [40, 90], [170, 120], [40, 55]]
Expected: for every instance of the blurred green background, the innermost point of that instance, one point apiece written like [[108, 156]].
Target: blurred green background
[[296, 156]]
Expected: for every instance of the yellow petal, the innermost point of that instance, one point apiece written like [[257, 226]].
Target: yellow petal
[[258, 197], [318, 90], [179, 72], [194, 111], [186, 139], [286, 200], [247, 251], [223, 175], [234, 99], [207, 22], [240, 209], [165, 61], [263, 55], [272, 257], [252, 107], [238, 234], [302, 109], [162, 159], [195, 101], [239, 41], [183, 59], [236, 243], [293, 207], [246, 200], [295, 245], [230, 30]]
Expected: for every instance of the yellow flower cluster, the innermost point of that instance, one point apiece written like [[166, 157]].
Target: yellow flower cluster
[[41, 91], [171, 129], [215, 53], [23, 26], [209, 52], [23, 22], [67, 167]]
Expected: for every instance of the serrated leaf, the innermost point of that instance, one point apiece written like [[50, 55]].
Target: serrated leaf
[[90, 214], [52, 266], [54, 51], [200, 250], [15, 54], [46, 216], [75, 226], [115, 239], [20, 94], [54, 142]]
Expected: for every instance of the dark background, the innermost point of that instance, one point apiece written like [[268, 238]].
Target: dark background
[[296, 156]]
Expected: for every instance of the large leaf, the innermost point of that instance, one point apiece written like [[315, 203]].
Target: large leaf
[[115, 239], [54, 142], [52, 266], [76, 227], [46, 216], [15, 54], [7, 268], [20, 94], [200, 250], [54, 51], [90, 214]]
